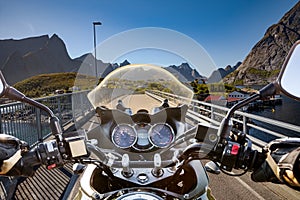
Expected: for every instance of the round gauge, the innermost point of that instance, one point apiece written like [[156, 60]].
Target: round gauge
[[161, 135], [124, 136]]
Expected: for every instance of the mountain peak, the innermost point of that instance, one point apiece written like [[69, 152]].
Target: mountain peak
[[33, 56], [124, 63], [184, 72], [54, 36]]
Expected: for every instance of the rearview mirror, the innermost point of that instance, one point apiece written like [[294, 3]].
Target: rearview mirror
[[288, 79]]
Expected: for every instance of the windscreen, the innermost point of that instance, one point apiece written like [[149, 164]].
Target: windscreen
[[130, 83]]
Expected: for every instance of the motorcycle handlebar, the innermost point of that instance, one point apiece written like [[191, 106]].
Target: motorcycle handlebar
[[53, 153], [236, 154], [233, 155]]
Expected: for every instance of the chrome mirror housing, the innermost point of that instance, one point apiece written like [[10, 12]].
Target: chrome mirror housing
[[289, 77]]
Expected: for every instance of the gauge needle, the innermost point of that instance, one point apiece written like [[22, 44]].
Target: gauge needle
[[158, 133]]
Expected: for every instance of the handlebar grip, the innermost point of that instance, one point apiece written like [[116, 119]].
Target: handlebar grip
[[31, 157], [25, 166], [49, 154], [46, 153], [264, 174]]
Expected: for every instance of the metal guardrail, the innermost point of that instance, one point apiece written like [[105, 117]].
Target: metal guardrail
[[31, 124], [202, 112]]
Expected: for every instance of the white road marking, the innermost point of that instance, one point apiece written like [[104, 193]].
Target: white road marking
[[249, 188], [92, 123]]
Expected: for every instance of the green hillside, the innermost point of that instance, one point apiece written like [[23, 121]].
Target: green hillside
[[47, 84]]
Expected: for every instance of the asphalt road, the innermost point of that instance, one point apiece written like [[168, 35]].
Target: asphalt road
[[243, 188]]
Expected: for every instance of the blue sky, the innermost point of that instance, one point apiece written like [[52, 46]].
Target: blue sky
[[227, 30]]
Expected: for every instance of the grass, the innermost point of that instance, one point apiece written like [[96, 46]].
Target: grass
[[47, 84]]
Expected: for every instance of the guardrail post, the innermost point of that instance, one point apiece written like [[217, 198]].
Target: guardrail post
[[196, 107], [212, 113], [196, 110], [39, 123], [59, 108], [82, 105], [245, 128]]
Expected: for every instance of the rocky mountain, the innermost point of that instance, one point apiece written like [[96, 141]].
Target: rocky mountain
[[184, 72], [264, 62], [124, 63], [86, 65], [111, 67], [220, 73], [20, 59]]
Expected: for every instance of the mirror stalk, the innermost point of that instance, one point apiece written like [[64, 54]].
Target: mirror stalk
[[226, 123]]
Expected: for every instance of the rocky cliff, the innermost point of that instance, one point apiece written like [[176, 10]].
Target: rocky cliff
[[183, 71], [20, 59], [264, 62]]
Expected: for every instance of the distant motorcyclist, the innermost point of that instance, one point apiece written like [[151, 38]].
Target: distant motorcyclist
[[120, 106], [165, 104]]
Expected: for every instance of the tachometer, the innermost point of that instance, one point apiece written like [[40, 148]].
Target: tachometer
[[124, 136], [161, 135]]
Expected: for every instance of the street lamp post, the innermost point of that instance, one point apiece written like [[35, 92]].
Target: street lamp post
[[94, 26]]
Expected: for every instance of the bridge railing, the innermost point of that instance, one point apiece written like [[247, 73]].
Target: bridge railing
[[31, 124], [260, 130]]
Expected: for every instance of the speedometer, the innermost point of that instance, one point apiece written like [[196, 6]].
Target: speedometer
[[161, 135], [124, 136]]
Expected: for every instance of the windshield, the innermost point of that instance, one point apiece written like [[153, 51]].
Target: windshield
[[135, 98], [134, 84]]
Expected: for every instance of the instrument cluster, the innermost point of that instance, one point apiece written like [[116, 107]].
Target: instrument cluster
[[142, 137]]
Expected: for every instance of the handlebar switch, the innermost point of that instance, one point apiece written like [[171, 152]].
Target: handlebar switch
[[230, 155], [49, 155]]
